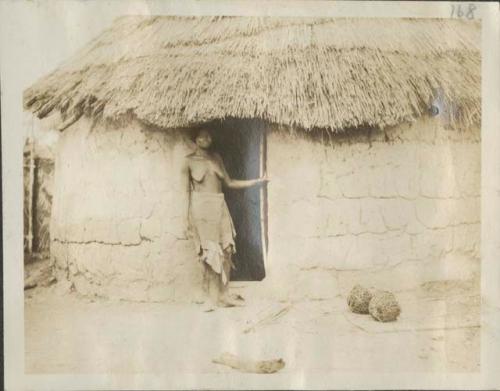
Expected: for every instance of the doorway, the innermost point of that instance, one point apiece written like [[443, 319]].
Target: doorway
[[242, 146]]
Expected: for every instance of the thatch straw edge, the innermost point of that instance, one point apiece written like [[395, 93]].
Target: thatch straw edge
[[306, 73]]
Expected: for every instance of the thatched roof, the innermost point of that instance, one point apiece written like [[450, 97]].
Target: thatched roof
[[306, 72]]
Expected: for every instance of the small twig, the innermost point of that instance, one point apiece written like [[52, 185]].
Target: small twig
[[269, 318]]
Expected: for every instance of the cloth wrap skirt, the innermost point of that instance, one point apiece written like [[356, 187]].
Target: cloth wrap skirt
[[213, 232]]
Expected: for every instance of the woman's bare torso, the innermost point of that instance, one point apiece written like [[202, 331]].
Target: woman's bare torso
[[205, 174]]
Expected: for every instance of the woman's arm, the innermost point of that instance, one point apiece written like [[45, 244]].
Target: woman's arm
[[235, 183], [243, 184]]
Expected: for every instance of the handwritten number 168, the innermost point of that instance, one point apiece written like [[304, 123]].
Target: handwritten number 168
[[457, 11]]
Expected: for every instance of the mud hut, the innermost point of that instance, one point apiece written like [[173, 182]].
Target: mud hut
[[368, 128]]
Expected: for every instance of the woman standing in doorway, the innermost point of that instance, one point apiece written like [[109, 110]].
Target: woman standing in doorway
[[207, 217]]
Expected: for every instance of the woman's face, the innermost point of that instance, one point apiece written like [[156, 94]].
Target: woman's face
[[203, 139]]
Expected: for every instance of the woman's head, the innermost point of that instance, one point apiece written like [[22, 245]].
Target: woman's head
[[203, 139]]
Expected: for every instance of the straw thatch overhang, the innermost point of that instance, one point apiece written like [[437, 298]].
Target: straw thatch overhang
[[301, 72]]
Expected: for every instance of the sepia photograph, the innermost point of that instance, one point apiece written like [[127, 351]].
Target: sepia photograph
[[272, 195]]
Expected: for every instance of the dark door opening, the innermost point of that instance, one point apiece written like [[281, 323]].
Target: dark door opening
[[241, 144]]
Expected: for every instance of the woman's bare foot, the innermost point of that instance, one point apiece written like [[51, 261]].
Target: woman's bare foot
[[237, 297], [209, 307], [223, 303], [229, 302]]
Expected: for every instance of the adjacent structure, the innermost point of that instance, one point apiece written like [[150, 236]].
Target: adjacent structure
[[38, 167]]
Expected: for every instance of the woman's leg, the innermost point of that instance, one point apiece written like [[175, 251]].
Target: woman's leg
[[206, 279], [224, 298], [210, 287], [212, 281], [213, 286]]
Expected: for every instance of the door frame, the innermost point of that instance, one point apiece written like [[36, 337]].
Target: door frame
[[263, 196]]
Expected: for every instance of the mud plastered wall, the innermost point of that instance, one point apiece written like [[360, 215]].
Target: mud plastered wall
[[404, 202], [116, 219]]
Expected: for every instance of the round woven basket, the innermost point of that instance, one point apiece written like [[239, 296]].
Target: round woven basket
[[384, 307], [359, 299]]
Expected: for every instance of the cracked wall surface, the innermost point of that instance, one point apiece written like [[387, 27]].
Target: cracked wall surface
[[403, 199], [116, 219]]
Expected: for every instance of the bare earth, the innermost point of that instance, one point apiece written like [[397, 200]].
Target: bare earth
[[66, 333]]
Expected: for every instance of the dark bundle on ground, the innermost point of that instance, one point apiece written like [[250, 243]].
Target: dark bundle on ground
[[250, 366]]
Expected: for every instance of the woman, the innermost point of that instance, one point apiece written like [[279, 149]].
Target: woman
[[207, 217]]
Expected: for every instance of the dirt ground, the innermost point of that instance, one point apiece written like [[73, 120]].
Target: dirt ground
[[437, 331]]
